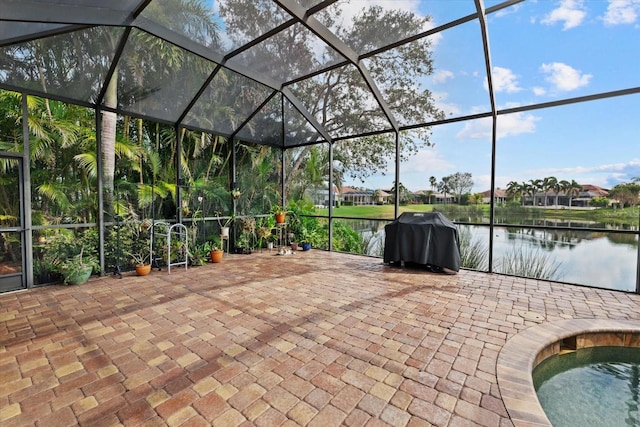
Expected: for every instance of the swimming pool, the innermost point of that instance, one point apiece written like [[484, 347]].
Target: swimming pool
[[532, 346], [591, 386]]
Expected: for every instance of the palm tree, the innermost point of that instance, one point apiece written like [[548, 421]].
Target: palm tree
[[556, 186], [514, 189], [573, 189], [403, 192], [563, 186], [166, 59], [535, 186], [548, 184], [443, 187]]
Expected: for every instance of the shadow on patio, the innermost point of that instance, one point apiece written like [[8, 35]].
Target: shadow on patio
[[315, 339]]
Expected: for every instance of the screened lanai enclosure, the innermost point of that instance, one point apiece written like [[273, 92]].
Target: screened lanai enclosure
[[517, 120]]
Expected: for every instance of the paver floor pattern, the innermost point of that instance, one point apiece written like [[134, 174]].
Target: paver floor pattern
[[314, 339]]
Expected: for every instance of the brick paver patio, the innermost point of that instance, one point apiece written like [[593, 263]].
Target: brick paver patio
[[314, 339]]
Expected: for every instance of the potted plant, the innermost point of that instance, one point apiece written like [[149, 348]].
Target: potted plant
[[70, 256], [215, 250], [242, 243], [140, 261], [265, 227], [309, 237], [271, 240], [279, 213], [77, 269], [224, 225], [136, 235]]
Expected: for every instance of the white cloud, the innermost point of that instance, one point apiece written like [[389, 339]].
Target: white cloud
[[440, 99], [428, 160], [564, 77], [622, 12], [481, 183], [508, 125], [606, 175], [570, 12], [539, 91], [507, 11], [442, 76], [503, 80], [356, 7]]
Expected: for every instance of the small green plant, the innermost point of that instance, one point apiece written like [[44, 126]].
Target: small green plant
[[214, 244], [473, 253], [526, 262], [278, 209], [68, 254], [78, 268]]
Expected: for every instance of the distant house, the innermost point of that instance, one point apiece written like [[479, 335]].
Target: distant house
[[422, 196], [581, 198], [356, 197], [320, 194], [499, 196], [589, 192], [443, 199], [381, 197]]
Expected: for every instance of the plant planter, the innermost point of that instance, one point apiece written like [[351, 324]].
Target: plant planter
[[224, 231], [280, 217], [143, 269], [306, 246], [79, 277], [294, 246], [216, 256]]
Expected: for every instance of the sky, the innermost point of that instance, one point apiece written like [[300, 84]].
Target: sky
[[541, 51]]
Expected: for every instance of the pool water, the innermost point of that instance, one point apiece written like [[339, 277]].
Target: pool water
[[597, 386]]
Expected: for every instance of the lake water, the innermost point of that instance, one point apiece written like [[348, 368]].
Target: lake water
[[601, 259]]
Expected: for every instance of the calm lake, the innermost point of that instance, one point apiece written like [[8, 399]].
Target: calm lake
[[601, 259]]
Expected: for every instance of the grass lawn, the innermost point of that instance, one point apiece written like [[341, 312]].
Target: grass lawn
[[374, 211], [604, 215]]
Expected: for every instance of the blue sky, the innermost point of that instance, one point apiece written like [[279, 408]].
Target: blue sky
[[542, 51]]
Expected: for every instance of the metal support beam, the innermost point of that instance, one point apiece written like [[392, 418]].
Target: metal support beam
[[494, 122], [294, 8], [26, 196]]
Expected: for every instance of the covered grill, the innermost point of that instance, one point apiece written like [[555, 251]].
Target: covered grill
[[423, 238]]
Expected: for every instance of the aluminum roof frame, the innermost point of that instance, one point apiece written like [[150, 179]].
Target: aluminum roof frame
[[76, 14], [72, 15]]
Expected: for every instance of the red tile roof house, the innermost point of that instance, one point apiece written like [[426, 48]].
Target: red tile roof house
[[354, 196], [500, 196]]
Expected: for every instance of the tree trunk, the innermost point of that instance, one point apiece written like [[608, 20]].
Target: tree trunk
[[108, 134]]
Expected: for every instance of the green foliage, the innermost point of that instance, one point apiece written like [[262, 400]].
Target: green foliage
[[473, 253], [458, 184], [600, 202], [628, 194], [68, 254], [525, 261], [346, 239]]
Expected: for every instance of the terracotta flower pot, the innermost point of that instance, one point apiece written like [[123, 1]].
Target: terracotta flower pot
[[216, 256], [280, 216], [143, 269]]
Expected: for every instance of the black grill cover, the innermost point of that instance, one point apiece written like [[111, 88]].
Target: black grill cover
[[423, 238]]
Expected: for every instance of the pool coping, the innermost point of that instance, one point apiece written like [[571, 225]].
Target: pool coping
[[525, 350]]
